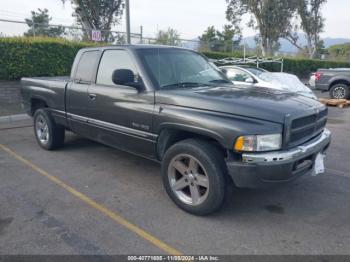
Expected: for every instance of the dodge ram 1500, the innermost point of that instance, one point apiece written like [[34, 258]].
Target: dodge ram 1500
[[171, 105]]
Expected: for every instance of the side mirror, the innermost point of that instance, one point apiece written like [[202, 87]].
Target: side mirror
[[123, 77], [249, 80]]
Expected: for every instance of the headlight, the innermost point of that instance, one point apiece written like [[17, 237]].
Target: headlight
[[258, 143]]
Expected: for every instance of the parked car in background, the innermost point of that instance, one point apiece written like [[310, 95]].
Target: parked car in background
[[251, 76], [334, 80]]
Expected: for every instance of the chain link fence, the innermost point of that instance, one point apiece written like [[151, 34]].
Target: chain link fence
[[10, 28]]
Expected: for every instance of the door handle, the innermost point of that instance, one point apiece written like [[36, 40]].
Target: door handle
[[92, 97]]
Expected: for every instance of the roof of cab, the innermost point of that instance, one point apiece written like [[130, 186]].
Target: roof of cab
[[132, 47]]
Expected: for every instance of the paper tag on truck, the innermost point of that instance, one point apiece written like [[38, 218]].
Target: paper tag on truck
[[319, 165]]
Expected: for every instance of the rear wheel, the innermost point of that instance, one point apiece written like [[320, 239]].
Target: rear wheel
[[48, 134], [193, 174], [339, 91]]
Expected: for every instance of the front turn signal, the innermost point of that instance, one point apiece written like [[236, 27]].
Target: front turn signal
[[239, 143]]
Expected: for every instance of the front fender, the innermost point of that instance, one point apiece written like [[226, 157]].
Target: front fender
[[224, 128]]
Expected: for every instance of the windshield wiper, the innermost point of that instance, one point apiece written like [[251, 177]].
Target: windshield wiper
[[184, 85], [221, 81]]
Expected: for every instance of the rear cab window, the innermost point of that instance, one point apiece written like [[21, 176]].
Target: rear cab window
[[86, 66]]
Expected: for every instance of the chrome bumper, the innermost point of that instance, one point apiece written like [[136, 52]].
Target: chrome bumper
[[286, 156]]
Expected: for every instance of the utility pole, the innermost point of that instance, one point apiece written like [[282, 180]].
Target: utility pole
[[127, 13]]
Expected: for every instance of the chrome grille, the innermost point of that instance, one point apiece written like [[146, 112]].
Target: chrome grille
[[307, 127]]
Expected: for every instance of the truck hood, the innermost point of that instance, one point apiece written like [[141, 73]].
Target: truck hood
[[254, 102]]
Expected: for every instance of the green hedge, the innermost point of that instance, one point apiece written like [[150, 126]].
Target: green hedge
[[40, 56], [300, 67]]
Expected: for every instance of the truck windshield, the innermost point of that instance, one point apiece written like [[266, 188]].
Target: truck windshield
[[180, 68]]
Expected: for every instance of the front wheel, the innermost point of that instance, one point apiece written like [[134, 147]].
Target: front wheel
[[193, 173], [48, 134], [339, 91]]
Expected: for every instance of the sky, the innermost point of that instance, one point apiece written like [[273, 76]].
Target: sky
[[189, 17]]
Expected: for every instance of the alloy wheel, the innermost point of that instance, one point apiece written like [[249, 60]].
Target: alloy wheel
[[339, 92], [188, 179], [42, 130]]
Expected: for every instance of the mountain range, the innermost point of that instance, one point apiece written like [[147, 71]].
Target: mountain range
[[287, 47]]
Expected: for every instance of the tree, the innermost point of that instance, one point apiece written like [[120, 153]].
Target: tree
[[312, 24], [321, 50], [339, 52], [39, 25], [270, 17], [224, 41], [209, 39], [209, 35], [97, 15], [227, 36], [168, 37]]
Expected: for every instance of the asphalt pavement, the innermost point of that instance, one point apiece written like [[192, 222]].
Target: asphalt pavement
[[87, 198]]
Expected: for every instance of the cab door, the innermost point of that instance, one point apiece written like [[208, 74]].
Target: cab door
[[77, 98], [121, 116]]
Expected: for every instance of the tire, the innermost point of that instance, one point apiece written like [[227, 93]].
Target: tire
[[202, 191], [339, 91], [48, 134]]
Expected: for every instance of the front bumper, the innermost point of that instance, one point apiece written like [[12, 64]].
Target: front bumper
[[263, 169]]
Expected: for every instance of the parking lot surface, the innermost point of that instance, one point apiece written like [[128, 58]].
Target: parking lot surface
[[87, 198]]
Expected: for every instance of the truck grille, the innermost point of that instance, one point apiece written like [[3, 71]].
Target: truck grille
[[307, 127]]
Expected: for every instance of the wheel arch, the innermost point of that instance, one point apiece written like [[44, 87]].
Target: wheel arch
[[339, 81], [172, 135], [37, 103]]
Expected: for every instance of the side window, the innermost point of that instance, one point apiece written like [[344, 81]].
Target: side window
[[237, 75], [112, 60], [86, 64]]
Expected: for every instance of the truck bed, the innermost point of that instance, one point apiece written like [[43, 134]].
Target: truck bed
[[53, 78], [50, 89]]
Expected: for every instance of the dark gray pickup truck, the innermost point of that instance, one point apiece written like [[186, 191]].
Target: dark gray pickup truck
[[336, 81], [172, 106]]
